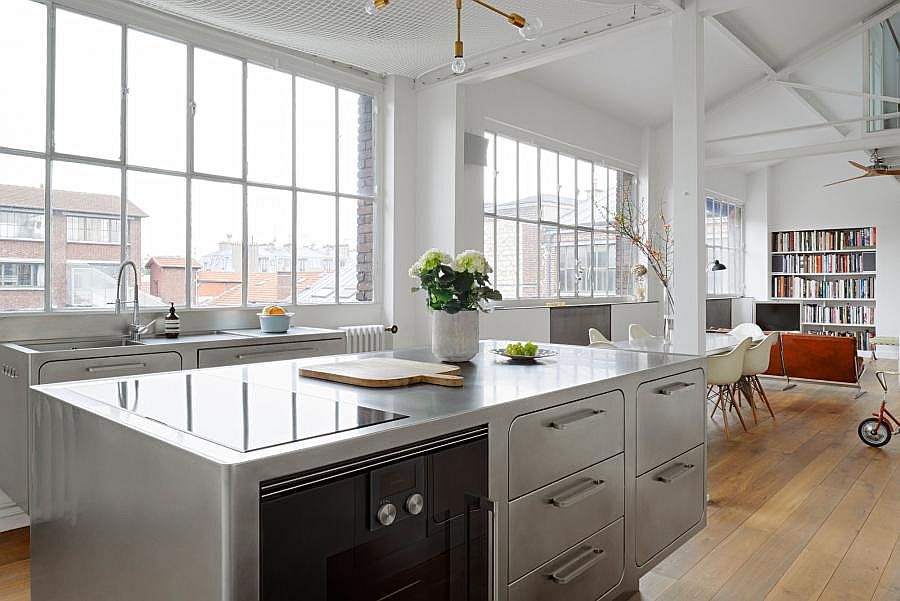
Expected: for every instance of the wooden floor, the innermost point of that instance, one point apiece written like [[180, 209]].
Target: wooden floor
[[799, 510]]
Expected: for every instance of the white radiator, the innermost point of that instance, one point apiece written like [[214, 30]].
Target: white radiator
[[362, 339]]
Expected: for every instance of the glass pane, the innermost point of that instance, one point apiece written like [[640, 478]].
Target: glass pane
[[21, 234], [315, 135], [505, 269], [528, 172], [602, 208], [315, 248], [87, 207], [529, 264], [549, 266], [616, 196], [356, 250], [156, 235], [269, 248], [566, 190], [568, 262], [549, 187], [157, 96], [506, 177], [489, 172], [585, 264], [88, 86], [269, 107], [357, 144], [219, 114], [585, 194], [23, 68], [489, 241], [216, 242]]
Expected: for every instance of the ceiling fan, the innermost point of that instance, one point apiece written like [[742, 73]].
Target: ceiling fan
[[878, 167]]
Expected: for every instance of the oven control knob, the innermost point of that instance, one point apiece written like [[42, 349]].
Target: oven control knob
[[387, 513], [414, 504]]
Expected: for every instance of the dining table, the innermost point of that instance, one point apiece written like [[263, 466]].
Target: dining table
[[716, 344]]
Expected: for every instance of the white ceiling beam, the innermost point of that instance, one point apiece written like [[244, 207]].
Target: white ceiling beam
[[833, 41], [709, 8], [786, 130], [672, 5], [760, 62], [842, 92], [867, 142]]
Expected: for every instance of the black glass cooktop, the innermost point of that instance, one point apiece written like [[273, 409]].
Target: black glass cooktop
[[233, 413]]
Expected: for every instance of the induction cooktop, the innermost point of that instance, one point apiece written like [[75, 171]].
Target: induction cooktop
[[231, 413]]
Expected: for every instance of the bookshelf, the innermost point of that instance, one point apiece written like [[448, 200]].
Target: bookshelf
[[831, 274]]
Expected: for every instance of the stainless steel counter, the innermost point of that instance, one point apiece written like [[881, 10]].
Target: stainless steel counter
[[187, 509]]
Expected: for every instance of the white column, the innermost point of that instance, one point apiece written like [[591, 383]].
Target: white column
[[688, 195]]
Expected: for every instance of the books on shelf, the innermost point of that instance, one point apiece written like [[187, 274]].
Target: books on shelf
[[839, 289], [863, 338], [838, 315], [824, 240], [824, 263]]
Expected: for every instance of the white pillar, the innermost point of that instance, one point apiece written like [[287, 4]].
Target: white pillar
[[688, 196]]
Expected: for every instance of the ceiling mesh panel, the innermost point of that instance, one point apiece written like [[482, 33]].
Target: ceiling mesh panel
[[409, 37]]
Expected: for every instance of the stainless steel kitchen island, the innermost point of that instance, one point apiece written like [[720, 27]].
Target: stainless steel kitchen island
[[249, 482]]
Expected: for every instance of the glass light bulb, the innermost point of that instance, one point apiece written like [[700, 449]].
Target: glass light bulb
[[458, 65], [370, 7], [532, 28]]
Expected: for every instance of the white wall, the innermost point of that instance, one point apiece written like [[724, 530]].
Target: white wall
[[799, 201]]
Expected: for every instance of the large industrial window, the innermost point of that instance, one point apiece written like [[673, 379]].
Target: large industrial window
[[228, 182], [725, 244], [545, 222]]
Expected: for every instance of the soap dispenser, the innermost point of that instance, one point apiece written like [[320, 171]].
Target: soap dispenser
[[172, 322]]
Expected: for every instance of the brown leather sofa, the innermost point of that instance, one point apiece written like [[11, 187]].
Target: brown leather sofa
[[815, 357]]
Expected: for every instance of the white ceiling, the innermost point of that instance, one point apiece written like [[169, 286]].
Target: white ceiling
[[409, 37]]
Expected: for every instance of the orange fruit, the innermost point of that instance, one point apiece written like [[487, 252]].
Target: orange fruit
[[274, 310]]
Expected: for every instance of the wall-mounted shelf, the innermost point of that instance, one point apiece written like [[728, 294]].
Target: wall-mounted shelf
[[832, 273]]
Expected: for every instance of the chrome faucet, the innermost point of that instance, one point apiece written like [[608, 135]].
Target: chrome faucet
[[135, 329]]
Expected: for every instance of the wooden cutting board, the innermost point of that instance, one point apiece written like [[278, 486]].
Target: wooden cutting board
[[385, 372]]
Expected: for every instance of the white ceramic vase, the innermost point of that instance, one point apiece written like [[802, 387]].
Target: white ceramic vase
[[454, 338]]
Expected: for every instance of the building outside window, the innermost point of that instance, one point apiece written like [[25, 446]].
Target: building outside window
[[725, 243], [545, 222], [21, 275], [279, 170]]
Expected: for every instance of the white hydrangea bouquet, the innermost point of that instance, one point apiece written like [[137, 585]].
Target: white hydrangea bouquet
[[457, 289], [454, 284]]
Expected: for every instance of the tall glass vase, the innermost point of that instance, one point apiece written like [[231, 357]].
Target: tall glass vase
[[668, 315]]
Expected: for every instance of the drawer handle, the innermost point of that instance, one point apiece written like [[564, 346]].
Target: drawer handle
[[563, 501], [675, 472], [102, 368], [674, 387], [276, 352], [578, 566], [563, 423]]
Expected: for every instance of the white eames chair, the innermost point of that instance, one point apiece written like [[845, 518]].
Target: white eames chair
[[756, 361], [637, 332], [723, 372]]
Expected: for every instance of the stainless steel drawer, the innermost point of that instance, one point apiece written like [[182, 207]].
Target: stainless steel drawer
[[585, 572], [547, 445], [257, 353], [108, 367], [669, 501], [670, 418], [551, 519]]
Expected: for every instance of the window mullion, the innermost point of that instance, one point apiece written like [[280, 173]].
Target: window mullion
[[337, 198], [245, 244], [189, 171], [294, 207], [48, 148], [123, 151]]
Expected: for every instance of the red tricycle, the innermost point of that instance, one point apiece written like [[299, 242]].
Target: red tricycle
[[876, 431]]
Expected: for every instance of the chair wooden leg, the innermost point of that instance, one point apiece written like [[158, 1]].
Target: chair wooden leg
[[747, 391], [724, 411], [731, 393], [762, 394]]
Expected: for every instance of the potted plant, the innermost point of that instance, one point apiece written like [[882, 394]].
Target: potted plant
[[457, 289]]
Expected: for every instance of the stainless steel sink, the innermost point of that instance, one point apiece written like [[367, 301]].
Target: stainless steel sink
[[74, 345]]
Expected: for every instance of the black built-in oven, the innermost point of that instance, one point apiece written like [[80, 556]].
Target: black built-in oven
[[411, 524]]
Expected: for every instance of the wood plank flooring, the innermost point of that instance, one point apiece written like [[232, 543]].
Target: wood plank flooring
[[800, 510]]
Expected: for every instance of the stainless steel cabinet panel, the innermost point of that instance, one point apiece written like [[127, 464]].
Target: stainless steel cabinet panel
[[257, 353], [670, 418], [583, 573], [669, 501], [551, 519], [547, 445], [108, 367]]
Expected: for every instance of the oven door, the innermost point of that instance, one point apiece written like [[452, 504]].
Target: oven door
[[324, 542]]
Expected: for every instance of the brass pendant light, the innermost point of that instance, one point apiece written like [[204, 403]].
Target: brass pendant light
[[528, 29]]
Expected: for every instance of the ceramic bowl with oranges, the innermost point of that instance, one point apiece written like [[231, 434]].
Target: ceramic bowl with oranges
[[274, 320]]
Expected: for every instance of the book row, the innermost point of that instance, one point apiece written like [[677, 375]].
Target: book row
[[814, 240], [844, 288]]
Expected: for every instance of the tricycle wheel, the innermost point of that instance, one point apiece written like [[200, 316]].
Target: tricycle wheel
[[874, 432]]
